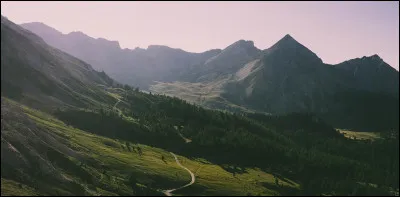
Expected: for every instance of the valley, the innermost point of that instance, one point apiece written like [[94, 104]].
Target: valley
[[111, 163], [235, 121]]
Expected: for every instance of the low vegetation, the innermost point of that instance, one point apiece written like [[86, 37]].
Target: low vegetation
[[360, 135]]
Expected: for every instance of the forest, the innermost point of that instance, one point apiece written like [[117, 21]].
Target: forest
[[299, 146]]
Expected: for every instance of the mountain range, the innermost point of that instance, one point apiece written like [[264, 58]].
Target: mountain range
[[285, 78], [67, 128]]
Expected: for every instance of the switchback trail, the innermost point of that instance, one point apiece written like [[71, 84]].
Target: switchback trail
[[168, 192], [115, 107], [116, 103]]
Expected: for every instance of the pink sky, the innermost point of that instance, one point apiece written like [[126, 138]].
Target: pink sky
[[335, 31]]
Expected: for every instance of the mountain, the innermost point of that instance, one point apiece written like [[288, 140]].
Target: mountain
[[34, 72], [41, 29], [37, 75], [78, 42], [228, 61], [287, 77], [142, 67], [138, 67], [372, 74], [116, 140]]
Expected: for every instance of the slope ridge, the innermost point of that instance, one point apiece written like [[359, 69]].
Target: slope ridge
[[34, 72]]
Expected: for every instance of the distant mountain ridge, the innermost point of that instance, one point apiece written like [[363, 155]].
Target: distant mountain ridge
[[372, 74], [286, 77], [162, 63], [34, 72], [138, 66]]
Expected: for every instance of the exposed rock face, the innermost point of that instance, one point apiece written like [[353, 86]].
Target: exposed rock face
[[227, 62], [289, 78]]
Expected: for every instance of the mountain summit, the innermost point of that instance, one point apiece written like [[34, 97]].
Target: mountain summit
[[41, 29], [241, 44], [289, 48], [287, 40]]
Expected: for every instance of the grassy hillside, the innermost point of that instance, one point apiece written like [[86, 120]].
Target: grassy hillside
[[12, 188], [205, 94], [360, 135], [105, 166], [88, 149], [300, 147]]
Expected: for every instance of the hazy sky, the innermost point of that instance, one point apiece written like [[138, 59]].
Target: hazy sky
[[335, 31]]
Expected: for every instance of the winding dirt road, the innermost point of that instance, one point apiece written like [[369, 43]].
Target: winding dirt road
[[168, 192]]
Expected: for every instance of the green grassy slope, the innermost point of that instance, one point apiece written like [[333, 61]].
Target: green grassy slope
[[104, 166], [12, 188], [225, 163], [93, 155], [300, 147], [360, 135]]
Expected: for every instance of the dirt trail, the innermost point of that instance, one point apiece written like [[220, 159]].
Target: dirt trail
[[116, 103], [186, 139], [168, 192]]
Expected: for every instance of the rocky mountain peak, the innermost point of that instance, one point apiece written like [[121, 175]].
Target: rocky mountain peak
[[242, 44], [287, 42], [291, 49]]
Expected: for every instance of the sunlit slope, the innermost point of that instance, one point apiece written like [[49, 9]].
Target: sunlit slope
[[39, 75], [76, 162]]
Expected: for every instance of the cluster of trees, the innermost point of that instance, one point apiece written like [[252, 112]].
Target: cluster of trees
[[298, 146], [127, 87], [364, 111]]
